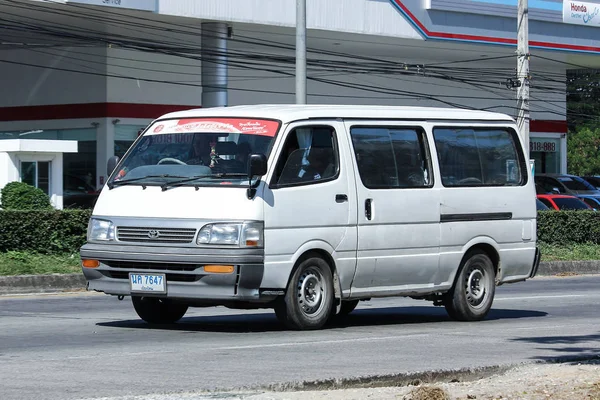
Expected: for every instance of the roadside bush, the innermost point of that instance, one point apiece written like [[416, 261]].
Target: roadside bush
[[64, 231], [568, 227], [46, 232], [21, 196]]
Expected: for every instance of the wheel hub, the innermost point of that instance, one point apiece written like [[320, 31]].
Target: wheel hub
[[476, 287], [310, 291]]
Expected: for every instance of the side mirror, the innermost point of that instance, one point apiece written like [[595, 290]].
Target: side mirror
[[556, 190], [111, 165], [257, 165]]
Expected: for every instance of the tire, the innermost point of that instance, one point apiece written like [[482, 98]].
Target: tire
[[155, 310], [308, 301], [347, 307], [472, 295]]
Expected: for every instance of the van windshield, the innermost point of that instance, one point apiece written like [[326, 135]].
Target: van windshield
[[197, 151]]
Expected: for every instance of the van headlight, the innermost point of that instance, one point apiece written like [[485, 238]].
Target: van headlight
[[245, 234], [100, 230]]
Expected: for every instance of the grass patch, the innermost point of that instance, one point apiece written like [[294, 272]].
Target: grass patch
[[570, 252], [26, 263]]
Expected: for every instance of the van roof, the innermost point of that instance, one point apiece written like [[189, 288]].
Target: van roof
[[293, 112]]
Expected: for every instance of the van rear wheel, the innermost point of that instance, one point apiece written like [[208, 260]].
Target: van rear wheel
[[472, 295], [155, 310], [308, 301]]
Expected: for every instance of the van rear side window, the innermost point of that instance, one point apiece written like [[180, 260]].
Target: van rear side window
[[392, 157], [479, 157]]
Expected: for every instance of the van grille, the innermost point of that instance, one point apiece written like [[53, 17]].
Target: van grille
[[149, 265], [155, 235]]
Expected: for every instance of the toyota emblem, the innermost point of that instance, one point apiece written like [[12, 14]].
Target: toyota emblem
[[153, 234]]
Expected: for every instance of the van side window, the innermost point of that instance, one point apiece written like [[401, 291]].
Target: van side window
[[309, 155], [392, 157], [479, 157]]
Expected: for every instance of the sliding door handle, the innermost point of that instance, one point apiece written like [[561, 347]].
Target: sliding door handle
[[368, 210]]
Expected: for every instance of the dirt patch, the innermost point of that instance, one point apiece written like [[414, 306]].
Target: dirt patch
[[427, 393]]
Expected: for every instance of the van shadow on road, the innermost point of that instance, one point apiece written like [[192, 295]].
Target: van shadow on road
[[566, 348], [266, 322]]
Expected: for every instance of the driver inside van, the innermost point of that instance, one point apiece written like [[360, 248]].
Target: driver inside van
[[200, 152], [320, 164]]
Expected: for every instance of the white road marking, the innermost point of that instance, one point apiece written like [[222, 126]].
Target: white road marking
[[316, 342], [546, 297]]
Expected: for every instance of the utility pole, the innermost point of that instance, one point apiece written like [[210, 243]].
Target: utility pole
[[300, 51], [523, 72]]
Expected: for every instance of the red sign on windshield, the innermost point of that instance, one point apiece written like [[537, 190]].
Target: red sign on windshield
[[245, 126]]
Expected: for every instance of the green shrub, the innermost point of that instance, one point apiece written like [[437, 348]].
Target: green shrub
[[64, 231], [46, 232], [21, 196], [568, 227]]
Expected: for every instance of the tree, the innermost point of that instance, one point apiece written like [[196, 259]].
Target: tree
[[583, 98], [583, 151]]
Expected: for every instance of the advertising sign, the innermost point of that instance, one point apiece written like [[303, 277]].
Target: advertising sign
[[142, 5], [226, 126], [581, 13], [543, 146]]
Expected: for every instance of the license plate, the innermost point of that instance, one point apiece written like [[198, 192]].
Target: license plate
[[148, 283]]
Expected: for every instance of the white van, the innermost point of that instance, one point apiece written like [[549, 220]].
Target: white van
[[309, 209]]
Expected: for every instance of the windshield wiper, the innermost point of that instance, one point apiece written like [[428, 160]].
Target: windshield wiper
[[181, 182], [133, 180]]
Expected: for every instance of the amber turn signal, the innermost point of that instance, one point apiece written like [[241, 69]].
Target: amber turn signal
[[219, 269], [90, 263]]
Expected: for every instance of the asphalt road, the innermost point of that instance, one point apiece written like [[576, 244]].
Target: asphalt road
[[92, 345]]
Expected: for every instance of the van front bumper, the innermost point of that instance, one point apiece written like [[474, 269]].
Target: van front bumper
[[183, 268]]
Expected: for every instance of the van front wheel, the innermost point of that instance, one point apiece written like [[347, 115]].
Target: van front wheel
[[155, 310], [473, 293], [308, 302]]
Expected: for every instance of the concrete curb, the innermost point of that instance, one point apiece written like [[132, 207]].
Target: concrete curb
[[574, 267], [27, 284]]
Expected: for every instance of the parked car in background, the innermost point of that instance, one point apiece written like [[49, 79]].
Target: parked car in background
[[563, 202], [78, 193], [564, 184], [541, 206], [591, 201], [592, 180]]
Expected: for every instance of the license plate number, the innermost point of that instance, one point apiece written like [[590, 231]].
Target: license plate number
[[149, 283]]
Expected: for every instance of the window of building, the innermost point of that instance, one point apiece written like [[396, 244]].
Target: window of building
[[392, 157], [479, 157], [546, 153], [309, 155], [37, 174], [80, 165]]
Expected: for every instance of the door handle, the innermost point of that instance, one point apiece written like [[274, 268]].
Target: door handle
[[368, 211], [341, 198]]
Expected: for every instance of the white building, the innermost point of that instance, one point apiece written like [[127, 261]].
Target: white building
[[98, 71]]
